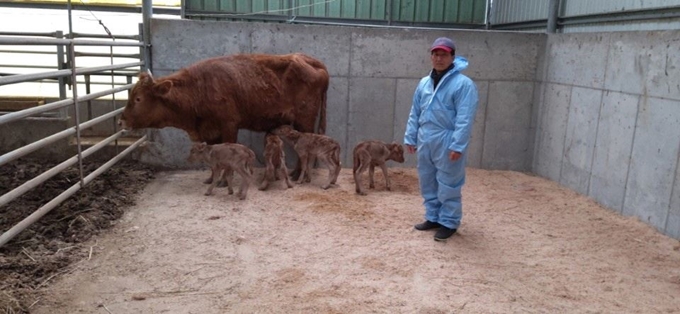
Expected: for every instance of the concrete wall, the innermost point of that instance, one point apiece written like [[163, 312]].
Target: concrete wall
[[374, 73], [598, 113], [609, 121]]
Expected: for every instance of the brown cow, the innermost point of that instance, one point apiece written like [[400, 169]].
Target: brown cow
[[275, 162], [227, 157], [212, 99], [369, 154], [310, 145]]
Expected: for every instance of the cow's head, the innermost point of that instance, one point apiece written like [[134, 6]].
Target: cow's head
[[198, 152], [147, 105], [272, 139], [396, 152], [284, 130]]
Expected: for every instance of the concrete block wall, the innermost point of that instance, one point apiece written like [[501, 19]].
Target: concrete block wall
[[609, 121], [597, 112], [374, 73]]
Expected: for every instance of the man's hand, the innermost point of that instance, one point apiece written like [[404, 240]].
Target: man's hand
[[410, 148], [455, 156]]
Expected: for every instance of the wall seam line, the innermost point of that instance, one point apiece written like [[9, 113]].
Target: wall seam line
[[599, 114], [564, 139], [674, 181], [486, 117], [630, 156]]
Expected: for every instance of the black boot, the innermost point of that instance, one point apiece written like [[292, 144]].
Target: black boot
[[444, 233], [427, 225]]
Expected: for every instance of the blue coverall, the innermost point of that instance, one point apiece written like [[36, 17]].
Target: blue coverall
[[441, 121]]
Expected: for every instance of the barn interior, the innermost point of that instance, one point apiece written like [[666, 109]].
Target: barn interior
[[584, 96]]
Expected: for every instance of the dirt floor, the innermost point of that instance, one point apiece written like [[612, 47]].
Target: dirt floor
[[48, 248], [526, 245]]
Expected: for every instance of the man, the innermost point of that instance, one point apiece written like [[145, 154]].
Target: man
[[438, 129]]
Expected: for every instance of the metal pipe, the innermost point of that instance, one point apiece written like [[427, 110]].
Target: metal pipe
[[76, 109], [27, 34], [117, 73], [28, 52], [70, 19], [28, 185], [553, 15], [61, 65], [116, 55], [58, 104], [26, 222], [26, 66], [86, 35], [49, 41], [19, 152], [87, 7], [147, 12], [182, 4], [54, 74], [87, 92], [107, 67], [33, 76]]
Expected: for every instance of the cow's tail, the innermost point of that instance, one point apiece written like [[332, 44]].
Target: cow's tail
[[322, 112], [356, 162]]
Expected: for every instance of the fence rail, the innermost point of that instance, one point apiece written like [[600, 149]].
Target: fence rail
[[64, 74]]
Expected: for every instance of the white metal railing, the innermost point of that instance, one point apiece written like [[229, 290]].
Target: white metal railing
[[75, 101]]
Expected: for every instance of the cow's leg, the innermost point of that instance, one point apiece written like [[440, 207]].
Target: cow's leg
[[357, 176], [371, 171], [225, 180], [284, 172], [303, 171], [338, 166], [310, 167], [388, 185], [245, 183], [209, 179], [229, 135], [331, 170], [269, 175], [216, 173]]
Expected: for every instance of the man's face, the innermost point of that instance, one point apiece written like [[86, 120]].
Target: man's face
[[441, 59]]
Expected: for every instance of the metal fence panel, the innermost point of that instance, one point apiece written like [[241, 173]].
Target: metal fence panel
[[416, 11], [583, 7], [587, 15], [511, 11]]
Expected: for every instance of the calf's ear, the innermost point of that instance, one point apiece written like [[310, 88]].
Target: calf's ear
[[162, 88]]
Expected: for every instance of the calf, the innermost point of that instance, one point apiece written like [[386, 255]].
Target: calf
[[310, 145], [227, 157], [369, 154], [275, 162]]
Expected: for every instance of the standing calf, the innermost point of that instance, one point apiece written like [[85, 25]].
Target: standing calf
[[369, 154], [227, 157], [275, 162], [310, 145]]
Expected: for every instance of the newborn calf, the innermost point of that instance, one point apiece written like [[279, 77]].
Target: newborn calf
[[275, 162], [227, 157], [310, 145], [369, 154]]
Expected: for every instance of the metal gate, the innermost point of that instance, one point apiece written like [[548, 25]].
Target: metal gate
[[70, 73]]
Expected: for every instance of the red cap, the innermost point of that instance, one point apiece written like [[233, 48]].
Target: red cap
[[443, 43]]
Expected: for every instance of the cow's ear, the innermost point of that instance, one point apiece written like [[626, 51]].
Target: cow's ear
[[162, 88], [145, 78]]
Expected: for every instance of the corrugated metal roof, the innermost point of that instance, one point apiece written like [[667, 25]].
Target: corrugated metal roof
[[583, 7], [510, 11], [517, 11]]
